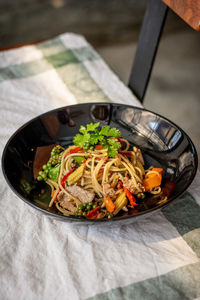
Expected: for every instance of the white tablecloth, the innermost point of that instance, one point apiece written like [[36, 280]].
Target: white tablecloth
[[155, 257]]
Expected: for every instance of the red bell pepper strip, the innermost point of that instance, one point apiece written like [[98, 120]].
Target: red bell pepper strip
[[130, 197], [98, 147], [126, 153], [75, 150], [65, 178], [120, 185], [93, 214]]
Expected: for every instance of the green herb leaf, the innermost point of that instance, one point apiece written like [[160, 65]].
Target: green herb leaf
[[92, 126], [90, 136], [111, 132], [94, 139], [113, 146], [105, 130], [82, 140], [82, 129], [114, 132]]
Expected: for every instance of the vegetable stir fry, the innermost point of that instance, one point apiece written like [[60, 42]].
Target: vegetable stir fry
[[100, 175]]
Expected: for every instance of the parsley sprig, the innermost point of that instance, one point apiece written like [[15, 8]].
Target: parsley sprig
[[91, 135]]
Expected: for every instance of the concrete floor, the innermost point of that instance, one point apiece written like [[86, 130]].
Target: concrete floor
[[174, 88]]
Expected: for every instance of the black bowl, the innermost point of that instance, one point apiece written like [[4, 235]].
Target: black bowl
[[163, 144]]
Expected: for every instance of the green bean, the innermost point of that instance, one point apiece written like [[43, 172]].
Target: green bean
[[88, 207], [80, 206]]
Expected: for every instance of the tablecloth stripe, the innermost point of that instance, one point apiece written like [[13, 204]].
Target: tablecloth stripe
[[65, 62], [180, 284], [51, 47], [184, 214], [80, 82], [37, 66]]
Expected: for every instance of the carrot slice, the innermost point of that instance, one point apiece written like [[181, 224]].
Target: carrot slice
[[110, 206], [159, 170], [151, 181], [52, 194]]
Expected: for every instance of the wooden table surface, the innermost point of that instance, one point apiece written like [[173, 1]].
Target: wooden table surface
[[188, 10]]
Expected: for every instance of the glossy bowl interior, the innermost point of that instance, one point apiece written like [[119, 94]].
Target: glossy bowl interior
[[163, 144]]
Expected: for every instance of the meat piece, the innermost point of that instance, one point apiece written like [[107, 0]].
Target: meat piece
[[108, 190], [64, 202], [129, 185], [83, 195]]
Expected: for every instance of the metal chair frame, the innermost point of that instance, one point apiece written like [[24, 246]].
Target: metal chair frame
[[147, 47]]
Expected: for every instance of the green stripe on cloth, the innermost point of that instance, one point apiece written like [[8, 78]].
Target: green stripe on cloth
[[192, 238], [184, 214], [24, 70], [49, 62], [51, 47], [36, 67], [69, 65], [86, 53], [56, 46], [180, 284], [81, 84], [61, 59]]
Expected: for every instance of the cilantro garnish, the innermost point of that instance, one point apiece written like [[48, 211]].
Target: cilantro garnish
[[90, 136]]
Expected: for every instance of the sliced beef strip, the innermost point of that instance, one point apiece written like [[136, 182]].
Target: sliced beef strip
[[64, 202], [83, 195]]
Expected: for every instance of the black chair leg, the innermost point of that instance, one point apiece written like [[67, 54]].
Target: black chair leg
[[149, 38]]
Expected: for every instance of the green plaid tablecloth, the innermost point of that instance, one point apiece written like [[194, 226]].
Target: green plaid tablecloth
[[155, 257]]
